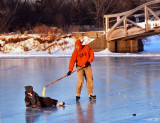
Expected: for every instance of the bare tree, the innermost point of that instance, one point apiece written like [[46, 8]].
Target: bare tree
[[98, 8], [47, 9], [21, 13], [7, 13]]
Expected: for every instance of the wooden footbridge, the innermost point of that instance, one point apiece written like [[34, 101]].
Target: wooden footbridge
[[124, 30]]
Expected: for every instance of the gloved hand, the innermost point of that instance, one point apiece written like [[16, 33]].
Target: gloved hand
[[87, 64], [69, 73]]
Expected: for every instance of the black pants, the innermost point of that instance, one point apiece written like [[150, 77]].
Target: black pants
[[48, 102]]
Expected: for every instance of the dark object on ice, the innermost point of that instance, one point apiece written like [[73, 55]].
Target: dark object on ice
[[134, 114], [33, 100]]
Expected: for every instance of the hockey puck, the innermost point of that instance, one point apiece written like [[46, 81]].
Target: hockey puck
[[134, 114]]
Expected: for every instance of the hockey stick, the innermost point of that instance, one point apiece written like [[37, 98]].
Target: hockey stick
[[44, 89]]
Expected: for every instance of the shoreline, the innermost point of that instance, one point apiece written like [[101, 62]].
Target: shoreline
[[69, 55]]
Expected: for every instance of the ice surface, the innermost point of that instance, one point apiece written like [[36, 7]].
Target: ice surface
[[124, 86], [154, 44]]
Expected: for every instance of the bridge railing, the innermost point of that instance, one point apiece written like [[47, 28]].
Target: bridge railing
[[123, 18]]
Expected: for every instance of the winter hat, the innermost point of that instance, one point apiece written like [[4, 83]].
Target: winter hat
[[79, 43], [28, 89]]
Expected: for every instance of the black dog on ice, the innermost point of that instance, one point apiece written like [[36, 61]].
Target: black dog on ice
[[33, 100]]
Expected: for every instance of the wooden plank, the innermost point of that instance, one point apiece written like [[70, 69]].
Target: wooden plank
[[118, 18], [131, 46], [125, 27], [107, 24], [134, 34], [154, 14], [142, 14], [115, 15], [134, 23], [146, 18]]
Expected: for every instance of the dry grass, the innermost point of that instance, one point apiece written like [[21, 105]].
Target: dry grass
[[47, 37], [26, 33], [26, 48], [44, 38], [19, 33], [73, 28], [15, 40], [63, 45], [2, 38], [44, 29]]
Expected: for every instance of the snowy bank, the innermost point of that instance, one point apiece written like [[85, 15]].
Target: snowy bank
[[32, 47]]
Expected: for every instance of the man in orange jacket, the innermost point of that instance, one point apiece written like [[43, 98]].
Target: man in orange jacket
[[83, 55]]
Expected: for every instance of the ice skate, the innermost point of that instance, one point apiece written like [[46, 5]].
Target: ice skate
[[77, 97], [92, 96]]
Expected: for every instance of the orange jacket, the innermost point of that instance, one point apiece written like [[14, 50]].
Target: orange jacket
[[82, 56]]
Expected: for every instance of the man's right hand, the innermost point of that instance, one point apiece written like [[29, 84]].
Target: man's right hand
[[69, 73]]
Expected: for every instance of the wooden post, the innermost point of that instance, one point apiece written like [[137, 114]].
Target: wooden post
[[118, 18], [146, 19], [125, 27], [131, 46], [107, 24]]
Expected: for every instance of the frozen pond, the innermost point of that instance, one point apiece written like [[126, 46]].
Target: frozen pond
[[124, 86]]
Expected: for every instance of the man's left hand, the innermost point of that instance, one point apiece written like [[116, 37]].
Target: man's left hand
[[69, 73]]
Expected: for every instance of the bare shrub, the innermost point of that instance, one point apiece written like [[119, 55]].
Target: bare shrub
[[49, 51], [45, 29], [64, 36], [15, 40], [39, 39], [60, 31], [51, 37], [3, 38], [58, 37], [74, 28], [26, 33], [65, 42], [23, 38], [25, 48], [19, 33], [83, 28], [53, 30], [41, 29], [62, 45]]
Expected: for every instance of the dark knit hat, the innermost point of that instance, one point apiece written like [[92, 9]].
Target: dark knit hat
[[28, 89]]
